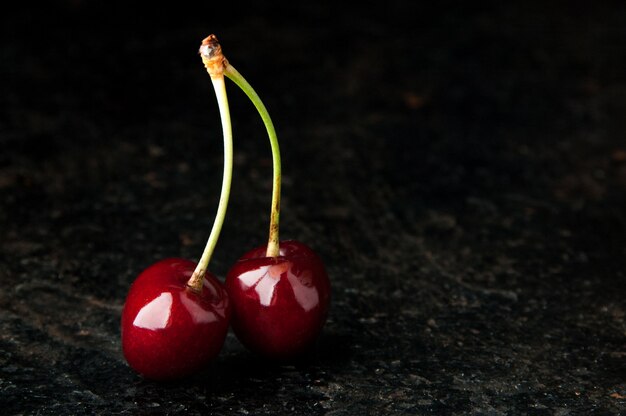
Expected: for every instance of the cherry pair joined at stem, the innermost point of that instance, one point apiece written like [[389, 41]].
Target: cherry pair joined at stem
[[177, 314]]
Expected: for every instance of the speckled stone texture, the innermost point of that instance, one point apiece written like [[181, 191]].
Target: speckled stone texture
[[460, 168]]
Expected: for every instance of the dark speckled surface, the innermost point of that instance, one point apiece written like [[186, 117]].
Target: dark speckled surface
[[462, 171]]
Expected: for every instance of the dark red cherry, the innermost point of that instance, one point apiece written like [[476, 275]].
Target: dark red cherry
[[169, 330], [279, 303]]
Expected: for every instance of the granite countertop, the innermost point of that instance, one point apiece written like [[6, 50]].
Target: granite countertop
[[461, 170]]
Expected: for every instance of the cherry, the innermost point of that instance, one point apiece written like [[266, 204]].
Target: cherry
[[169, 330], [176, 314], [280, 303], [280, 292]]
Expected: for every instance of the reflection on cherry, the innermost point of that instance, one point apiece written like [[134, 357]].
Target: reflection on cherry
[[280, 303], [168, 329]]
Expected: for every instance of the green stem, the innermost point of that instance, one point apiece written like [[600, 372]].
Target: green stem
[[195, 282], [273, 248]]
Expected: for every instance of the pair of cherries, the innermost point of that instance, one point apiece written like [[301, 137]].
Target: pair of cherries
[[276, 297]]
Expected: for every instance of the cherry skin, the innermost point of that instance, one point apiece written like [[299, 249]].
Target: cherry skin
[[169, 330], [280, 303]]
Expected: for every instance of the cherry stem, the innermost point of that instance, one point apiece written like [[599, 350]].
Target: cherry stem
[[273, 248], [214, 65]]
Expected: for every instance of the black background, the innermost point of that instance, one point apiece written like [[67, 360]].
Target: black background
[[460, 168]]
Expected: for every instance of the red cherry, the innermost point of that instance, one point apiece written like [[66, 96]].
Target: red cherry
[[169, 330], [279, 303]]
